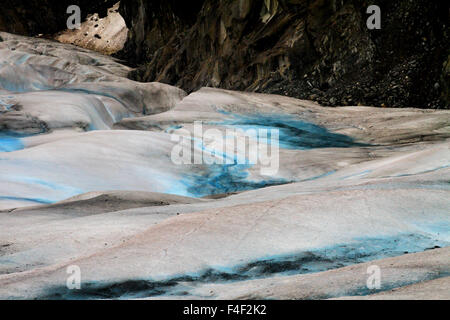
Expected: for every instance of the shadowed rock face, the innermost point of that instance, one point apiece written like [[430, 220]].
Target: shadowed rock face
[[320, 50], [309, 49], [154, 23]]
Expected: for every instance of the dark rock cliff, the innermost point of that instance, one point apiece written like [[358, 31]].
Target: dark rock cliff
[[311, 49], [316, 49]]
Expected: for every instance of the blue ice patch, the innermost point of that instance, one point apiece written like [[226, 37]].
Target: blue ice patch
[[293, 133], [221, 179], [311, 261], [10, 142]]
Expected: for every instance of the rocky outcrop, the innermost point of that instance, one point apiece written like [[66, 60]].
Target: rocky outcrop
[[33, 17], [106, 35], [315, 49]]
